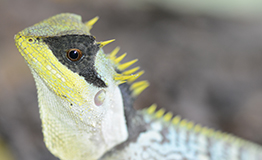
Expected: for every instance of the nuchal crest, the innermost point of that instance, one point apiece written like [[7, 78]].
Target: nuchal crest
[[86, 97]]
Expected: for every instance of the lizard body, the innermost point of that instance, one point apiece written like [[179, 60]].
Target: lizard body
[[85, 100]]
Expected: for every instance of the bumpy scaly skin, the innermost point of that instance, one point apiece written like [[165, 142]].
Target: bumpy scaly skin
[[178, 139], [76, 127]]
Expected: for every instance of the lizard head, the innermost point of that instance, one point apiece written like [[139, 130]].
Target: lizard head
[[81, 105]]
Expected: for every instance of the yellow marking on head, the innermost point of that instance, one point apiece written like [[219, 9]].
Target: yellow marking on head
[[139, 87], [127, 64], [91, 22], [135, 77], [103, 43], [121, 77], [120, 82], [131, 71], [128, 76], [41, 59], [120, 58], [112, 55], [138, 84]]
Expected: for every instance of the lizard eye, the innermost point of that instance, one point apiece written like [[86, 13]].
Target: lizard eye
[[30, 40], [100, 97], [74, 54]]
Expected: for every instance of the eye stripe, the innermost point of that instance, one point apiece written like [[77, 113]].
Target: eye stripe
[[77, 53]]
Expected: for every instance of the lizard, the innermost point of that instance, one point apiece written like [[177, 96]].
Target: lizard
[[86, 100]]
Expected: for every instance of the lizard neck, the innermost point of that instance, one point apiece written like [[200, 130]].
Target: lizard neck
[[135, 120], [68, 138]]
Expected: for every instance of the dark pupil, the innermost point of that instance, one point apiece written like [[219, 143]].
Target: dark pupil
[[73, 54]]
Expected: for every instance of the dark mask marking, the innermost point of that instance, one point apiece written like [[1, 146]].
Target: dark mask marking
[[85, 65]]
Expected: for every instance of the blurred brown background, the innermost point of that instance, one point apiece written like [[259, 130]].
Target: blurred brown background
[[203, 61]]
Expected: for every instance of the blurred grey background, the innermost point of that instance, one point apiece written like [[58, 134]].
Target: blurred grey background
[[202, 58]]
